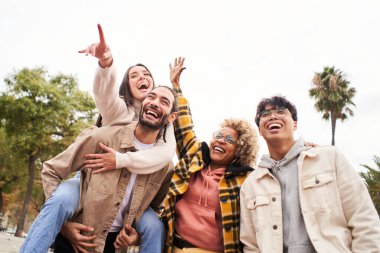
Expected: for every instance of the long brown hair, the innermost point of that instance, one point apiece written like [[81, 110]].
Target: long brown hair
[[125, 90]]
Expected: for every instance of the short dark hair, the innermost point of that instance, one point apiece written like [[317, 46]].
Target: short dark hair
[[276, 101]]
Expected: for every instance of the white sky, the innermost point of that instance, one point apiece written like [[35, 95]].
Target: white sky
[[237, 52]]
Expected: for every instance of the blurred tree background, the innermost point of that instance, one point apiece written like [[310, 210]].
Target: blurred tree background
[[40, 115], [372, 180]]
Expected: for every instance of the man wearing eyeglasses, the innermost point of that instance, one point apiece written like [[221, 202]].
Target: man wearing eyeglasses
[[303, 199]]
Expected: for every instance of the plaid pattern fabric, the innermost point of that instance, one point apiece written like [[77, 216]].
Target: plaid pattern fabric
[[193, 156], [133, 249]]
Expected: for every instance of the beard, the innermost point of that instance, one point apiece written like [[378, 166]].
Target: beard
[[154, 126]]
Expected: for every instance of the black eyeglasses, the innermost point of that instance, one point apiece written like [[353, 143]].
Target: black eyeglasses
[[279, 112], [227, 139]]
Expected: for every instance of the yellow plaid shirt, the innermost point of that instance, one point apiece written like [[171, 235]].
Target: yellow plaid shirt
[[193, 156]]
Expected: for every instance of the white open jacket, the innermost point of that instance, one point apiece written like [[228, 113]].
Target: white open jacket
[[338, 212]]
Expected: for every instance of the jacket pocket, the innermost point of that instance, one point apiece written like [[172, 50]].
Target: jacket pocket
[[317, 180], [257, 201], [102, 186], [318, 191], [260, 210]]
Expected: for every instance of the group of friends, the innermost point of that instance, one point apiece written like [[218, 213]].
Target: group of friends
[[127, 191]]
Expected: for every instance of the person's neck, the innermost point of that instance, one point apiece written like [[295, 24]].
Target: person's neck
[[278, 149], [146, 135], [214, 166], [136, 105]]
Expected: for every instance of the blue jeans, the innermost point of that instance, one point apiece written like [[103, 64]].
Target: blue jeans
[[62, 205], [56, 210], [152, 232]]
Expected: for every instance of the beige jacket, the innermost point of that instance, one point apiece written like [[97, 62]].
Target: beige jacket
[[338, 212], [102, 194], [115, 113]]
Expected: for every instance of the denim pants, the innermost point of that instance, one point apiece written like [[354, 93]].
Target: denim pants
[[56, 210], [62, 205]]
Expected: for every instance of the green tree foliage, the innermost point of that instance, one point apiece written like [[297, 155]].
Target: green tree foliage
[[10, 172], [41, 114], [372, 179], [333, 96]]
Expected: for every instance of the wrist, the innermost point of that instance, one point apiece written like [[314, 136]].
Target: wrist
[[138, 240], [176, 85], [107, 62]]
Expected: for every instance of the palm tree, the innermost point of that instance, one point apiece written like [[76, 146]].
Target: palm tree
[[333, 96], [372, 179]]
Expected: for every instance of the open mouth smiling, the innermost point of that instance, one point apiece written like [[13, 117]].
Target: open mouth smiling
[[152, 113], [143, 86], [218, 149], [274, 126]]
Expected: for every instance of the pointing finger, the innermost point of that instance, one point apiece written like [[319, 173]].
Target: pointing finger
[[101, 35]]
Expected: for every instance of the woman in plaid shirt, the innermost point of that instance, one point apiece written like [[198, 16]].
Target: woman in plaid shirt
[[202, 211]]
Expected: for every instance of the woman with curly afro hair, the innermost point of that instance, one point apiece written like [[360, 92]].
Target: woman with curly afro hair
[[202, 210]]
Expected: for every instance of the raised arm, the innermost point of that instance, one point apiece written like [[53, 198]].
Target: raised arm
[[106, 91], [99, 50], [187, 144], [114, 111]]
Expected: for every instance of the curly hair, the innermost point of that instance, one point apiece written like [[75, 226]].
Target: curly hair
[[248, 141]]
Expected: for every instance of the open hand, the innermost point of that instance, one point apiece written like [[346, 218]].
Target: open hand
[[105, 161], [176, 71]]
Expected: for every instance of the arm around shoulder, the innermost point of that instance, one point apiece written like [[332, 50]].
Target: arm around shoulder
[[149, 160]]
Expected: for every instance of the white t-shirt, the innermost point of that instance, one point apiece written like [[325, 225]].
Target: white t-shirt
[[118, 222]]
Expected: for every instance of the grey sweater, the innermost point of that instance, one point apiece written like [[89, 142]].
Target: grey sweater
[[296, 239]]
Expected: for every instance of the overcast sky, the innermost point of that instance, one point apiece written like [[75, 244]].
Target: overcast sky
[[237, 52]]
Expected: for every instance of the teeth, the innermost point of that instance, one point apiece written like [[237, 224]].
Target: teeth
[[216, 148], [274, 125], [143, 85], [154, 114]]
